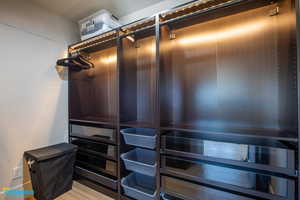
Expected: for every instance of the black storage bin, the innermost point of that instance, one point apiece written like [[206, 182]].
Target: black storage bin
[[51, 170]]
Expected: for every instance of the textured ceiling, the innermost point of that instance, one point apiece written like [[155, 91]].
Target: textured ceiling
[[78, 9]]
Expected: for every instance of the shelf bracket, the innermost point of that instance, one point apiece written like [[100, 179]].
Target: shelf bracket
[[172, 36], [274, 11]]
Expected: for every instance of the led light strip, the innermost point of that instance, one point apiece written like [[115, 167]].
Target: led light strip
[[92, 42], [195, 5], [128, 29], [138, 24]]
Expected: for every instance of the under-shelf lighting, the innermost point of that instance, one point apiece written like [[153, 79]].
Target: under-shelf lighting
[[109, 59], [199, 5], [93, 41], [232, 32], [151, 48]]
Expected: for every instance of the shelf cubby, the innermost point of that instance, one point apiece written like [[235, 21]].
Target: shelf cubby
[[230, 74], [93, 92], [239, 152], [138, 79], [236, 180]]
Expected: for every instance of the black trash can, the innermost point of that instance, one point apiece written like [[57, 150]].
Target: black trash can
[[51, 170]]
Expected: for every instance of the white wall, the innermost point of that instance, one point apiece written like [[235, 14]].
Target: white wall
[[151, 10], [33, 99]]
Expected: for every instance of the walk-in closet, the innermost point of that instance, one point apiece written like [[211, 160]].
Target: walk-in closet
[[199, 102]]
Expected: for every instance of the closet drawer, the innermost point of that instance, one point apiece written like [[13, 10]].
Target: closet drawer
[[274, 159], [96, 148], [98, 134], [190, 191], [260, 185], [96, 163], [103, 180]]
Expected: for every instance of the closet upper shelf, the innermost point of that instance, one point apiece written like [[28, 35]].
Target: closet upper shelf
[[199, 7], [136, 27], [176, 14], [95, 41]]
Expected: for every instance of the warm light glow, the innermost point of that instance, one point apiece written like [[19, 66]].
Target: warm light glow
[[109, 60], [232, 32], [151, 48]]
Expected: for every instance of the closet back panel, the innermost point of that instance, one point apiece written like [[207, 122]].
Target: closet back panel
[[93, 91], [231, 72], [137, 81]]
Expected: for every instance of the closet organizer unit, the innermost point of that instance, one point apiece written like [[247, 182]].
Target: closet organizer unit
[[137, 74], [138, 110], [212, 84], [93, 113], [228, 100]]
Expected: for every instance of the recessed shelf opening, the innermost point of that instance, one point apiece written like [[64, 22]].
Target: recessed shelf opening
[[93, 92], [138, 80], [231, 75]]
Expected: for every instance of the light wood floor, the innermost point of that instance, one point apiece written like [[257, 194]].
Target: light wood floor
[[81, 192]]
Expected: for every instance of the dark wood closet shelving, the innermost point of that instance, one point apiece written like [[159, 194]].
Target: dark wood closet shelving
[[137, 124], [92, 120], [137, 80], [216, 79], [221, 186], [105, 141], [252, 133]]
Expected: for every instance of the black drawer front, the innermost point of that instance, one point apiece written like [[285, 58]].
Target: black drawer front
[[261, 185], [103, 180], [280, 160], [190, 191], [96, 148], [96, 163], [94, 133]]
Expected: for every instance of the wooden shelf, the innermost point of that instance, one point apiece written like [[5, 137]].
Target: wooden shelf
[[270, 134], [137, 124], [236, 164], [101, 179], [222, 186], [98, 154], [94, 139], [95, 121]]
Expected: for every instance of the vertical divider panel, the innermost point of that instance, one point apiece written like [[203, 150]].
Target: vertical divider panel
[[119, 46], [157, 101], [69, 86], [297, 7], [69, 103]]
